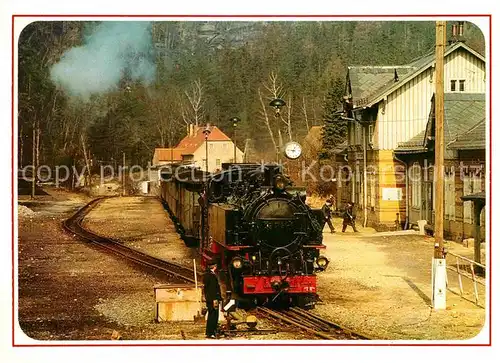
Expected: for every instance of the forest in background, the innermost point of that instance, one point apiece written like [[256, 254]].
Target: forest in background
[[176, 73]]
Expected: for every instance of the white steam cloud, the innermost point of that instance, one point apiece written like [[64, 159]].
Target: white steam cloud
[[112, 51]]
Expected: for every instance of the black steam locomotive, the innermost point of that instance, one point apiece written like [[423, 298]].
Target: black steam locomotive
[[255, 224]]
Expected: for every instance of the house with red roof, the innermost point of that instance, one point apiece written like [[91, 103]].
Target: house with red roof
[[192, 150]]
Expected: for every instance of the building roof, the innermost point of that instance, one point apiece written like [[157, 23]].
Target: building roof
[[479, 197], [415, 145], [191, 143], [462, 112], [372, 84], [366, 81], [473, 139], [169, 154]]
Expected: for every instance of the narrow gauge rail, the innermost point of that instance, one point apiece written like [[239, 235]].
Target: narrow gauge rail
[[74, 225], [311, 323]]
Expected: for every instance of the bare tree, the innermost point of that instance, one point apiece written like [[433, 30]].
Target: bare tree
[[195, 98], [276, 90], [288, 121], [304, 112], [265, 118]]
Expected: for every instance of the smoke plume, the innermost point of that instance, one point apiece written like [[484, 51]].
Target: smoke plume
[[113, 51]]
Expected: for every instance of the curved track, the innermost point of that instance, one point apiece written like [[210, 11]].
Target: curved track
[[298, 318], [311, 323], [74, 225]]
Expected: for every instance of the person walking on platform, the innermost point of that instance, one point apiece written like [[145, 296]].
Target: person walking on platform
[[211, 289], [327, 212], [349, 217]]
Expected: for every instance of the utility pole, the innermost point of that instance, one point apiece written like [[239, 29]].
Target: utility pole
[[439, 261]]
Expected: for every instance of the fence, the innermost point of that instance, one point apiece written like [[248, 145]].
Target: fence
[[468, 270]]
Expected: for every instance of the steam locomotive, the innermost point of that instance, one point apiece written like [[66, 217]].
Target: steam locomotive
[[251, 221]]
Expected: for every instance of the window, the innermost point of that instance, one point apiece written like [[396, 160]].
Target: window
[[467, 189], [352, 129], [472, 184], [370, 134], [449, 194], [476, 188], [359, 134], [358, 191], [462, 85], [416, 185], [371, 180]]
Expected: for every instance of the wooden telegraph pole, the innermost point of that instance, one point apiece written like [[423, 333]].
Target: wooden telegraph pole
[[439, 262]]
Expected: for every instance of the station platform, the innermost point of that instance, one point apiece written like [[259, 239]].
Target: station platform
[[381, 284]]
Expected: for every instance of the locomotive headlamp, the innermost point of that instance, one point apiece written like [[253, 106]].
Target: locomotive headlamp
[[237, 262], [279, 183], [322, 262]]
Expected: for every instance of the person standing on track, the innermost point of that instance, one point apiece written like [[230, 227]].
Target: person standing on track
[[211, 289]]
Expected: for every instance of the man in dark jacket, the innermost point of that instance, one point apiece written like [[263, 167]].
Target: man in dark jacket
[[327, 212], [212, 293], [349, 217]]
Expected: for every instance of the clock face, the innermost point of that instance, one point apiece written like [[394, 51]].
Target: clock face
[[293, 150]]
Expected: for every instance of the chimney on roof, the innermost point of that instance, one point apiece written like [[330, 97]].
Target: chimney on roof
[[396, 78], [191, 130], [457, 32], [460, 29]]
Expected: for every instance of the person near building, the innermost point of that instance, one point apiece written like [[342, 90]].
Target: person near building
[[211, 290], [327, 212], [349, 217]]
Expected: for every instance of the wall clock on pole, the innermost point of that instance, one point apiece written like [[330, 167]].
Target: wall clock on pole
[[293, 150]]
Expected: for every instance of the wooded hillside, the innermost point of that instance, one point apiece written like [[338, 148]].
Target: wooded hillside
[[170, 74]]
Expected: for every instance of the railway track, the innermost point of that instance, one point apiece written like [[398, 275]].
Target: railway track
[[311, 323], [74, 225], [295, 317]]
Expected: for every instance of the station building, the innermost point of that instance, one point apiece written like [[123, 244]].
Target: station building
[[391, 128]]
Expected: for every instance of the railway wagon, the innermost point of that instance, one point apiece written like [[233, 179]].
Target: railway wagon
[[180, 194]]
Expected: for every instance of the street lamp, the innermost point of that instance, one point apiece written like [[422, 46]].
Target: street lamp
[[277, 103], [206, 132], [235, 121]]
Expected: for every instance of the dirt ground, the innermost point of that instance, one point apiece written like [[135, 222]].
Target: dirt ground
[[380, 284], [70, 290], [376, 284]]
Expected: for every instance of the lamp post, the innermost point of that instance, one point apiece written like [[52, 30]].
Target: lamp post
[[235, 121], [277, 103], [206, 132]]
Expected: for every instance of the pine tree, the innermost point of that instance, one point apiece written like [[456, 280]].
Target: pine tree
[[335, 129]]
